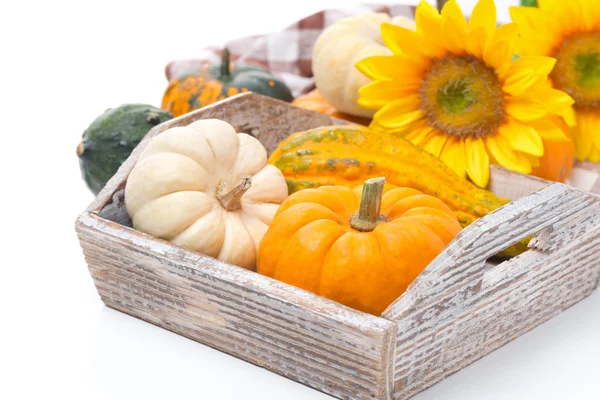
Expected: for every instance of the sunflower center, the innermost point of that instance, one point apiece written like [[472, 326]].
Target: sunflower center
[[577, 69], [462, 96], [456, 97]]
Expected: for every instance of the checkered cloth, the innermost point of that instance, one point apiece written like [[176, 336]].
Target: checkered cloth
[[288, 53]]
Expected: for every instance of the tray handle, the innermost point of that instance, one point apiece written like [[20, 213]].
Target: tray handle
[[555, 215]]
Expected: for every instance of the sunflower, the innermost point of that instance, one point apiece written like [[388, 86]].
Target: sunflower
[[570, 32], [458, 91]]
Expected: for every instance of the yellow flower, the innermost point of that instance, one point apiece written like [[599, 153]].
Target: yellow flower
[[452, 88], [570, 32]]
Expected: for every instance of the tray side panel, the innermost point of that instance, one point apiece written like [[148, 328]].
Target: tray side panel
[[513, 298], [442, 331], [311, 340]]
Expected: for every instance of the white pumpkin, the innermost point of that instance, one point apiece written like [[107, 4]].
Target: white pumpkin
[[339, 48], [206, 188]]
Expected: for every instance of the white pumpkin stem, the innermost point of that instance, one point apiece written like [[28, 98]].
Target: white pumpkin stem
[[229, 196], [369, 212]]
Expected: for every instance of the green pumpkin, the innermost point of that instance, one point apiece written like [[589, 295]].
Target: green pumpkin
[[111, 138], [211, 83]]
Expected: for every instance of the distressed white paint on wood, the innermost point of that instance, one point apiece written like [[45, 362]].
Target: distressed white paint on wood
[[340, 351], [460, 309], [512, 185], [524, 217]]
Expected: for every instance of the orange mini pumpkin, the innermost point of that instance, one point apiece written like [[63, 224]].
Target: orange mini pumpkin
[[314, 101], [558, 159], [361, 251], [210, 83]]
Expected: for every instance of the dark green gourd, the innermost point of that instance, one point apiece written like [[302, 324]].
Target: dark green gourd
[[111, 138]]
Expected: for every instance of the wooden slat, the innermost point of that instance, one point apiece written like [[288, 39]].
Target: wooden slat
[[462, 308], [312, 340], [585, 176], [513, 185], [464, 258], [440, 339]]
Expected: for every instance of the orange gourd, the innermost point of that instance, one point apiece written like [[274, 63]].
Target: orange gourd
[[361, 251], [558, 158], [314, 101], [210, 83]]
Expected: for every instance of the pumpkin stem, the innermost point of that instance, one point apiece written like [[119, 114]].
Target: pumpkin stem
[[229, 196], [225, 63], [369, 212], [80, 149]]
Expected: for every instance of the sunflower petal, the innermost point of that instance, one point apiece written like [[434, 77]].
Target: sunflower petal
[[375, 95], [533, 160], [568, 115], [523, 162], [550, 129], [595, 155], [478, 161], [595, 132], [374, 126], [484, 16], [505, 156], [401, 40], [397, 115], [429, 21], [535, 22], [552, 6], [522, 138], [392, 67], [434, 143], [590, 13], [534, 46], [476, 42], [569, 16], [505, 33], [588, 127], [453, 155], [455, 35], [522, 80], [418, 134], [498, 56], [452, 10], [554, 99], [526, 108], [542, 65]]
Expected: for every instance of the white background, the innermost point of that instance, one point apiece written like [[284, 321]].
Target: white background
[[62, 64]]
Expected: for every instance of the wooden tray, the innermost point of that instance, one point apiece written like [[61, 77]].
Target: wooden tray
[[459, 309]]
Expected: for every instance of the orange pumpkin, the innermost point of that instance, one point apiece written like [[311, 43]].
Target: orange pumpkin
[[361, 251], [314, 101], [210, 83], [558, 158]]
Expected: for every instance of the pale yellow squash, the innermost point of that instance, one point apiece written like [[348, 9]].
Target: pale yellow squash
[[206, 188], [339, 48]]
